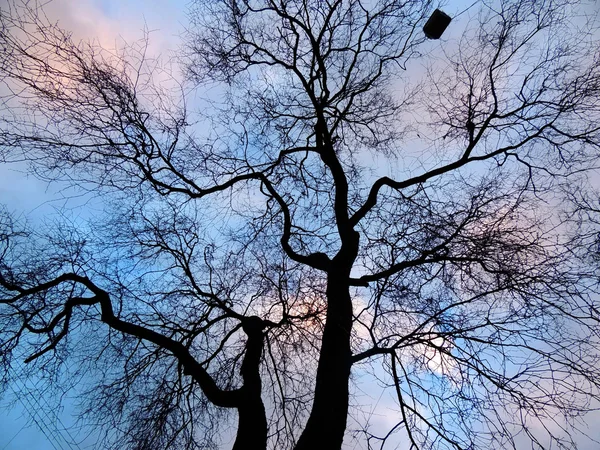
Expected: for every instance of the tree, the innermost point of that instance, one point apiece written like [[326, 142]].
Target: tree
[[254, 256]]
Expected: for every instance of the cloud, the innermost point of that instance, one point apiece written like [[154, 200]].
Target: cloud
[[110, 23]]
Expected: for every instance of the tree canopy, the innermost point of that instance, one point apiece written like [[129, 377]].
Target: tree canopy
[[320, 199]]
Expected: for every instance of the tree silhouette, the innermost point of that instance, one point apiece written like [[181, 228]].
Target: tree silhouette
[[346, 200]]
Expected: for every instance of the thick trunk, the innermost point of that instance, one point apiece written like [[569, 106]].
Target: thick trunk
[[327, 422], [252, 418], [252, 426]]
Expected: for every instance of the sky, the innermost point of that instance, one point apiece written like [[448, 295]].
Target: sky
[[108, 22]]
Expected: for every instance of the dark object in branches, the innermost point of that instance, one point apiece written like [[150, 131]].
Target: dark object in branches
[[436, 24]]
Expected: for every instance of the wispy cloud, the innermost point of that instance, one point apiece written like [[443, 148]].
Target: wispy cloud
[[110, 23]]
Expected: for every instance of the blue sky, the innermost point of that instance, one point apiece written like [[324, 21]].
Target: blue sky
[[106, 21]]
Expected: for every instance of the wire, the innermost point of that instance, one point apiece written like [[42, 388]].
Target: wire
[[30, 411], [466, 9], [31, 404], [56, 418], [13, 438], [35, 412]]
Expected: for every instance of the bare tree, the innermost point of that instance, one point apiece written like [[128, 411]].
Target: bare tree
[[254, 255]]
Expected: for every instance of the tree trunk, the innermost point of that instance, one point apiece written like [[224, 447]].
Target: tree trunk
[[252, 427], [252, 418], [326, 425]]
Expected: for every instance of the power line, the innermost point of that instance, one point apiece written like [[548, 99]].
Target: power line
[[32, 414], [466, 9], [33, 407], [56, 418], [13, 438]]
